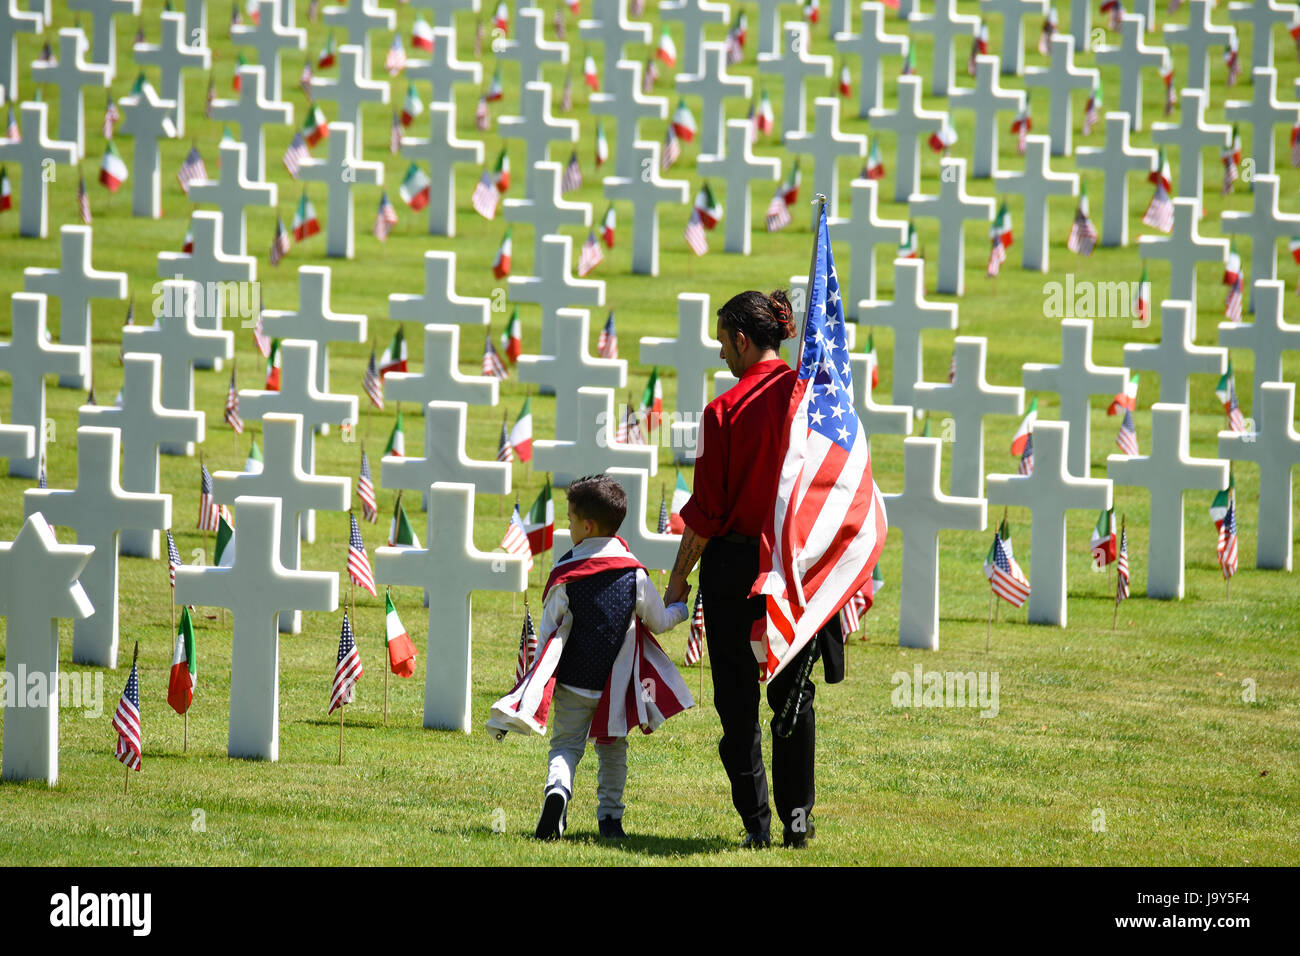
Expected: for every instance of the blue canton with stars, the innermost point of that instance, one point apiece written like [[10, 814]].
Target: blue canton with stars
[[825, 357]]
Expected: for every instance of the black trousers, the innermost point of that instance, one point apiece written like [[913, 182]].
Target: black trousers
[[727, 572]]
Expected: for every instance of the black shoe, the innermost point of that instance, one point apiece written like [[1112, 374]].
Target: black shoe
[[551, 824], [756, 841], [611, 828], [798, 840]]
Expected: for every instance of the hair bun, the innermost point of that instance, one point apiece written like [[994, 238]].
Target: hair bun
[[780, 303]]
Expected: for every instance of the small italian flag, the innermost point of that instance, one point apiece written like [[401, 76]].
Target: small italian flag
[[495, 90], [790, 189], [683, 121], [540, 523], [394, 357], [400, 532], [401, 652], [415, 187], [273, 367], [875, 164], [422, 35], [1001, 230], [652, 400], [253, 463], [501, 264], [1142, 305], [602, 144], [112, 170], [910, 248], [224, 553], [315, 128], [512, 340], [1127, 399], [607, 228], [666, 51], [501, 171], [707, 205], [1025, 430], [521, 433], [411, 106], [873, 360], [589, 73], [185, 669], [305, 223], [765, 121], [681, 495], [397, 440]]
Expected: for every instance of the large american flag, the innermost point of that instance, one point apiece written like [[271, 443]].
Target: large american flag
[[828, 524], [207, 506], [347, 670], [126, 721], [366, 492], [358, 563]]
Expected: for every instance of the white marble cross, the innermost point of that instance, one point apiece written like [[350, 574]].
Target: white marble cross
[[298, 395], [35, 153], [909, 315], [969, 398], [35, 565], [536, 127], [148, 119], [1262, 113], [1191, 134], [1198, 36], [1132, 56], [177, 336], [443, 70], [1076, 379], [196, 20], [613, 30], [1265, 224], [658, 552], [714, 85], [861, 233], [441, 150], [1061, 79], [909, 121], [1081, 24], [594, 449], [359, 17], [825, 145], [71, 74], [1183, 248], [74, 284], [553, 287], [737, 166], [530, 49], [568, 368], [282, 477], [945, 25], [174, 54], [144, 424], [17, 441], [340, 172], [28, 357], [1275, 445], [214, 272], [646, 193], [696, 355], [693, 14], [769, 22], [351, 91], [1177, 357], [952, 208], [1115, 160], [1037, 184], [252, 111], [623, 100], [1166, 471], [232, 192], [1049, 492], [1013, 13], [315, 320], [1262, 15], [986, 99], [439, 300], [12, 22], [445, 458], [546, 209], [451, 568], [869, 45], [794, 65], [442, 379], [920, 512], [256, 587], [97, 510], [269, 36], [1266, 338], [102, 12]]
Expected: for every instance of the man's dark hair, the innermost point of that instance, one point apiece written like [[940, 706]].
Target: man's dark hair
[[601, 499], [766, 320]]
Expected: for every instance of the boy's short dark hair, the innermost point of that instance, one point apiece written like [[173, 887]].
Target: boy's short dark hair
[[601, 499]]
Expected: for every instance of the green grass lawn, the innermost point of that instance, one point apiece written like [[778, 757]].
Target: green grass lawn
[[1144, 727]]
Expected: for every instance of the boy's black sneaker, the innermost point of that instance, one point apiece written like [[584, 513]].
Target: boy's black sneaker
[[611, 828], [551, 824]]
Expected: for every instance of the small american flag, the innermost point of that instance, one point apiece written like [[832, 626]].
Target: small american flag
[[173, 558], [590, 256], [358, 563], [279, 249], [1026, 464], [1228, 541], [672, 150], [607, 344], [1160, 211], [493, 367], [1005, 581], [1091, 112], [482, 119], [629, 429], [111, 118], [384, 222], [374, 383], [1236, 421], [232, 406], [395, 61], [566, 98], [366, 492], [694, 234], [997, 256], [1083, 234], [347, 669], [485, 197], [663, 515], [1121, 585], [207, 506], [295, 154], [572, 174], [505, 451], [851, 614], [1127, 437], [1229, 170], [778, 213], [192, 169], [259, 330], [695, 643], [651, 74], [83, 201], [516, 539], [527, 646], [126, 721], [1232, 308]]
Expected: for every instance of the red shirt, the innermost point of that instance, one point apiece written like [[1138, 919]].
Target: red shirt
[[739, 464]]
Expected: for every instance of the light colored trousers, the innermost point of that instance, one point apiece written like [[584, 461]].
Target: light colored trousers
[[572, 715]]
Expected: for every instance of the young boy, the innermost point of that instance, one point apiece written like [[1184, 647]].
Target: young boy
[[597, 666]]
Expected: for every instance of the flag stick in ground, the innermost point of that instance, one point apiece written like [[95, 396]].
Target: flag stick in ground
[[341, 709], [988, 632], [126, 785], [997, 613]]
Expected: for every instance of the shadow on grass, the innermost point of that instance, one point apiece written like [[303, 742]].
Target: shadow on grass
[[635, 843]]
